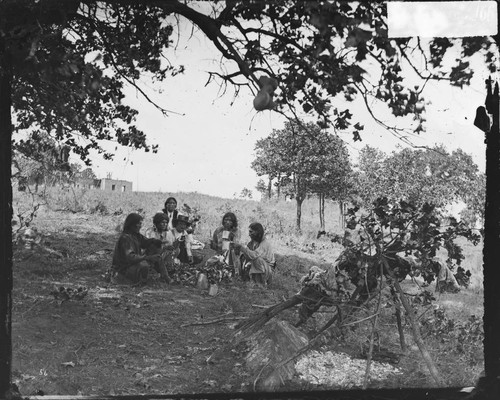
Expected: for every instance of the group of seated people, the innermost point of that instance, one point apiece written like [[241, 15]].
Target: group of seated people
[[168, 244]]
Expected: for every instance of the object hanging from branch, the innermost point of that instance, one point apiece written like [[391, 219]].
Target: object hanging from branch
[[264, 98]]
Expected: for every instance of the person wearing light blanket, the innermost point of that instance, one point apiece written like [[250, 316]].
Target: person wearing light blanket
[[224, 236], [259, 253], [159, 231]]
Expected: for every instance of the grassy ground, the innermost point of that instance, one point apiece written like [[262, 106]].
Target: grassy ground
[[156, 339]]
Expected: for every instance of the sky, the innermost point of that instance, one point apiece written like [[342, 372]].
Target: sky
[[207, 142]]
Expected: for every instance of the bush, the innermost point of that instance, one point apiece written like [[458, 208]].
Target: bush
[[462, 337]]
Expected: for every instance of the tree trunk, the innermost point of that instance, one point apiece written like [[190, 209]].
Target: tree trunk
[[372, 338], [278, 187], [321, 198], [414, 328], [270, 188], [491, 248], [5, 221], [397, 307], [341, 216], [299, 200]]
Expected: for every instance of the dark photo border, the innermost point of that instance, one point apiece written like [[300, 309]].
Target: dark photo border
[[488, 387]]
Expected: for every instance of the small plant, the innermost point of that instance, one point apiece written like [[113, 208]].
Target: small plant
[[461, 337], [100, 208], [424, 298], [463, 277], [470, 334], [192, 212]]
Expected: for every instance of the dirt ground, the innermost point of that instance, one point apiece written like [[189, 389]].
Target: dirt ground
[[119, 339], [126, 340]]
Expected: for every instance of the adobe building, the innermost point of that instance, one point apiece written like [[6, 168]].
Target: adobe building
[[115, 185]]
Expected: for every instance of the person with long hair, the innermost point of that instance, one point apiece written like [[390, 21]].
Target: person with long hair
[[159, 231], [171, 212], [181, 240], [224, 236], [259, 254], [129, 259]]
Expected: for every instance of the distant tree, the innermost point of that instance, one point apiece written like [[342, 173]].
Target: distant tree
[[304, 159], [369, 174], [39, 159], [475, 200], [266, 163], [431, 175], [262, 188], [88, 173], [246, 193], [334, 181]]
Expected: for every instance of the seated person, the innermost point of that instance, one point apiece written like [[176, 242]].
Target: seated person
[[170, 211], [181, 240], [446, 281], [223, 236], [159, 231], [259, 253], [128, 258]]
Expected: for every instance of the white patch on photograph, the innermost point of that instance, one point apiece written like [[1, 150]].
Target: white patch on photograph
[[442, 19]]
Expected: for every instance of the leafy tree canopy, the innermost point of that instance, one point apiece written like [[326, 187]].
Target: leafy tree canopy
[[72, 58], [304, 159], [391, 229], [431, 175], [87, 173]]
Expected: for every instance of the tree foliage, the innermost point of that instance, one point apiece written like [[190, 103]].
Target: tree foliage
[[319, 51], [391, 230], [431, 175], [72, 60], [261, 187], [38, 159], [69, 76], [304, 160], [86, 173]]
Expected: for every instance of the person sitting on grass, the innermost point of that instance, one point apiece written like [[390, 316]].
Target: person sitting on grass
[[259, 254], [170, 211], [159, 231], [128, 258], [225, 235], [179, 238]]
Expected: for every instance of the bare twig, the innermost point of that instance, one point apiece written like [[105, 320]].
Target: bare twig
[[259, 306], [360, 320], [130, 81], [214, 321]]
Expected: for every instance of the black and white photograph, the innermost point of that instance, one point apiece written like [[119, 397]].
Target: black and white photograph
[[243, 197]]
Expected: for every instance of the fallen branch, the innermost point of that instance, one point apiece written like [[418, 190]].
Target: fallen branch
[[259, 306], [255, 323], [214, 321], [323, 330]]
